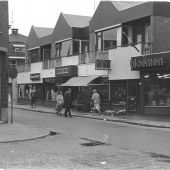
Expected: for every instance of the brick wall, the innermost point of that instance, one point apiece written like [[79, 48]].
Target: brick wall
[[161, 34], [3, 60]]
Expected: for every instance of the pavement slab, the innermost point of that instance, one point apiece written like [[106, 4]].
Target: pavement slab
[[18, 132]]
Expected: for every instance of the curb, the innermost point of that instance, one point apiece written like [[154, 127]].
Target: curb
[[24, 140], [97, 118]]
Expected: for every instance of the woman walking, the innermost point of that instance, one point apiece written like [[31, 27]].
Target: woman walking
[[60, 101]]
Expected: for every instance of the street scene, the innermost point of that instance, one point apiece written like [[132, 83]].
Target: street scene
[[84, 84], [81, 143]]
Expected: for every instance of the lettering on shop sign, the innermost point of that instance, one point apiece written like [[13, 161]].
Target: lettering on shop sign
[[102, 64], [35, 76], [62, 70], [147, 63]]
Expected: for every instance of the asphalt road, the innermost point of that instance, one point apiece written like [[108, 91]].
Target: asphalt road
[[87, 144]]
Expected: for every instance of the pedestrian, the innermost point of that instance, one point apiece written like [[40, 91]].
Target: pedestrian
[[96, 100], [33, 97], [67, 102], [60, 102]]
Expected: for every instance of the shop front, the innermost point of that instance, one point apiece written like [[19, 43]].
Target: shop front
[[154, 83], [82, 88], [24, 89]]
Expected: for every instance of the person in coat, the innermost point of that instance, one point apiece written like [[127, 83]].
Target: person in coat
[[96, 100], [67, 102], [33, 97], [60, 102]]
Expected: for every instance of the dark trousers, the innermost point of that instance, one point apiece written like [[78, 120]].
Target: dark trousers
[[33, 103], [67, 109]]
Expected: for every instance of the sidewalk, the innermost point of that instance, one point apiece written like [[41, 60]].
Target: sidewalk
[[150, 121], [17, 132]]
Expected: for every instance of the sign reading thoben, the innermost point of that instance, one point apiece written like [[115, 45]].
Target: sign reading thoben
[[159, 61], [66, 71], [102, 64], [35, 76]]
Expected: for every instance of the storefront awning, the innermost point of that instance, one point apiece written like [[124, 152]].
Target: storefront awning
[[79, 81]]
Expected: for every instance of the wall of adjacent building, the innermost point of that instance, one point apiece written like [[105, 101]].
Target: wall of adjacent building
[[3, 60]]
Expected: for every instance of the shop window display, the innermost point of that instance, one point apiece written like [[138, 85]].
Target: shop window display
[[157, 89]]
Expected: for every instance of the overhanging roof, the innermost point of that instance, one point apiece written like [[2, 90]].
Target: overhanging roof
[[79, 81]]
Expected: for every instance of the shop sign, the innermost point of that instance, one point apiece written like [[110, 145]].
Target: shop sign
[[35, 76], [102, 64], [66, 71], [138, 63]]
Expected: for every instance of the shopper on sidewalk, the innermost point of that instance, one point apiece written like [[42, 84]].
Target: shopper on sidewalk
[[67, 102], [33, 97], [96, 100], [60, 102]]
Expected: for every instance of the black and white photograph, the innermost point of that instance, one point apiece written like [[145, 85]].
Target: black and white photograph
[[84, 85]]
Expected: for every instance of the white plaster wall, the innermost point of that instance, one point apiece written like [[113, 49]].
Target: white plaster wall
[[120, 63], [36, 68], [23, 78], [89, 70], [73, 60], [46, 73]]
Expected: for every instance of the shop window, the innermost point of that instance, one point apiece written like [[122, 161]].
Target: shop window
[[157, 89], [118, 95]]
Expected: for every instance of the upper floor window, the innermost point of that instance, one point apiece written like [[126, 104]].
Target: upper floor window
[[19, 48], [34, 55], [80, 46], [136, 32], [71, 47], [106, 39], [64, 48]]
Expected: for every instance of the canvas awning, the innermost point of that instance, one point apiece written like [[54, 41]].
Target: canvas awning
[[79, 81]]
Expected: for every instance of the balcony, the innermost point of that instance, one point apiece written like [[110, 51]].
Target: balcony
[[48, 64], [24, 68], [146, 48]]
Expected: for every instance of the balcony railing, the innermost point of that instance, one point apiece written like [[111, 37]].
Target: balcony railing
[[146, 48], [24, 68], [47, 64]]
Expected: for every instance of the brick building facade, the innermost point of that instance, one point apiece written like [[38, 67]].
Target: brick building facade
[[4, 60]]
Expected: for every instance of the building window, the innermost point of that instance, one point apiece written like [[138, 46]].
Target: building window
[[80, 46], [157, 89], [34, 55], [20, 49], [106, 39], [64, 48]]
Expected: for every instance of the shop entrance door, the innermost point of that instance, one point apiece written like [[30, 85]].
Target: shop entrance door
[[132, 97]]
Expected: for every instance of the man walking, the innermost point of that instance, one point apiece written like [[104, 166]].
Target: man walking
[[67, 102]]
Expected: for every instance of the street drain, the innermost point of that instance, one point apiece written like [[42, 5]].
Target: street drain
[[53, 133], [161, 157], [92, 142]]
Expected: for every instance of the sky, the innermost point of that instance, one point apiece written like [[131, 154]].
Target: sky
[[44, 13]]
